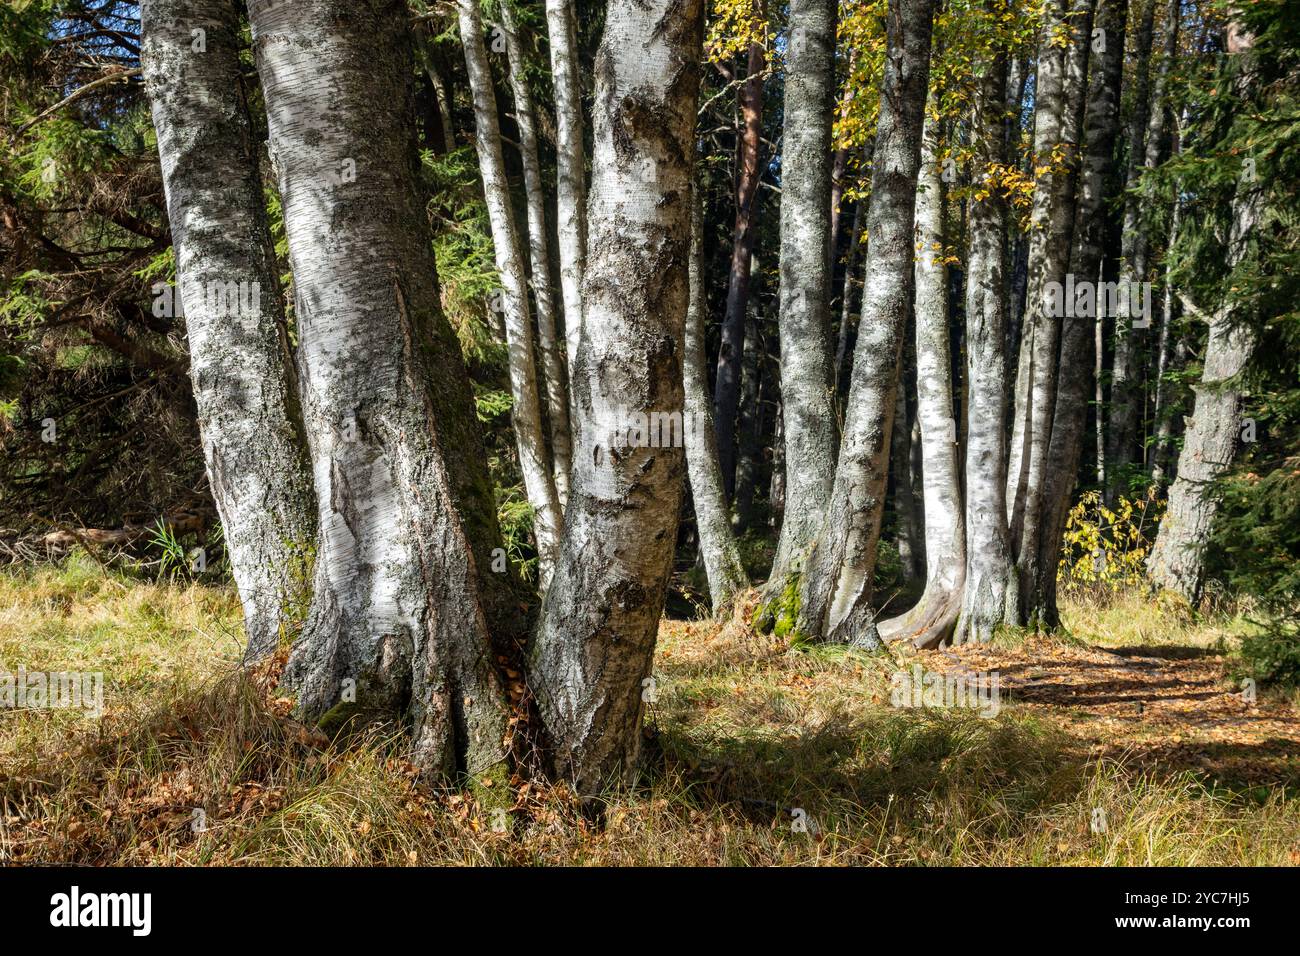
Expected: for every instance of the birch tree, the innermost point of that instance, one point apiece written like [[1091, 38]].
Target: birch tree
[[525, 413], [1059, 100], [934, 616], [718, 549], [404, 598], [991, 592], [804, 321], [570, 166], [1097, 185], [835, 589], [592, 655], [240, 366], [539, 253]]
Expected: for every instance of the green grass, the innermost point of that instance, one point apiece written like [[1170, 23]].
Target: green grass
[[746, 731]]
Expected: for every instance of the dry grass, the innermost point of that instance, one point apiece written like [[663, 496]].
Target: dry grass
[[745, 732]]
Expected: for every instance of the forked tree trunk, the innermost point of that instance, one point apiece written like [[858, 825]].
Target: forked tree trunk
[[727, 384], [249, 417], [525, 412], [990, 597], [835, 598], [1097, 185], [717, 544], [539, 254], [405, 599], [934, 616], [570, 168], [594, 649], [806, 373]]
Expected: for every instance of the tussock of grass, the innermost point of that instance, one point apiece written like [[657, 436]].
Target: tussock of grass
[[746, 731]]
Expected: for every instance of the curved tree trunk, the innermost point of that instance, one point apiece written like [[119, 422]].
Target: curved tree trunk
[[249, 417], [727, 384], [570, 168], [835, 591], [806, 373], [539, 254], [990, 597], [932, 619], [525, 412], [404, 601], [594, 647], [717, 544]]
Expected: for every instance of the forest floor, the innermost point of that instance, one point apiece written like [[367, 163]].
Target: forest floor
[[1124, 740]]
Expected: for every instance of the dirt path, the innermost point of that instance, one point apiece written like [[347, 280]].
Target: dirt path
[[1172, 707]]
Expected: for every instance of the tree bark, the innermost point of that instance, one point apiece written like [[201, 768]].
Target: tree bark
[[525, 412], [1121, 435], [1097, 186], [806, 372], [539, 254], [1177, 561], [1060, 97], [836, 585], [404, 602], [753, 391], [991, 593], [717, 544], [932, 619], [594, 648], [249, 418], [570, 168], [727, 382]]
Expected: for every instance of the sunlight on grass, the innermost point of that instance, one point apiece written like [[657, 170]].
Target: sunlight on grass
[[757, 754]]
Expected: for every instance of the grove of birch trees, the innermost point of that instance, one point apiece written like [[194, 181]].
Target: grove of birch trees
[[490, 332]]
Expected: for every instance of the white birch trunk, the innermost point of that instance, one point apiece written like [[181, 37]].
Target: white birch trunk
[[404, 601], [525, 413], [249, 418], [835, 590], [934, 616], [592, 655], [570, 167]]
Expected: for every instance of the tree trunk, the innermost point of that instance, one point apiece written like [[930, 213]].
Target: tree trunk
[[570, 167], [727, 383], [717, 544], [907, 507], [750, 450], [539, 254], [846, 299], [1060, 97], [525, 412], [1121, 436], [990, 596], [1177, 561], [593, 652], [932, 619], [404, 601], [806, 374], [836, 585], [1097, 186], [249, 418]]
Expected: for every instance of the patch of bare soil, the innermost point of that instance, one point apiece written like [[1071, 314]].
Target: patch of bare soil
[[1169, 707]]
